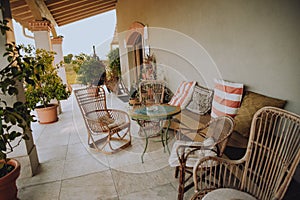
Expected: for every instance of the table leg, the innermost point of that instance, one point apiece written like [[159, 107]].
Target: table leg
[[146, 137], [167, 134], [162, 134]]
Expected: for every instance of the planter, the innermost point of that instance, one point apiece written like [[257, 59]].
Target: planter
[[47, 115], [8, 187]]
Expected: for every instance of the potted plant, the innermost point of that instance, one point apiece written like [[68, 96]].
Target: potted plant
[[15, 118], [47, 85], [113, 69]]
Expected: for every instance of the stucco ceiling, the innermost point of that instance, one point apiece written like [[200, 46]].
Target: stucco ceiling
[[59, 12]]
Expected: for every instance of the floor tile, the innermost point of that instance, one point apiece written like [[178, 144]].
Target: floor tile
[[82, 165], [164, 192], [52, 154], [47, 172], [48, 191], [92, 186]]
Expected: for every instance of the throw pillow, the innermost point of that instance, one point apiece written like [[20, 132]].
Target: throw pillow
[[201, 100], [227, 98], [183, 94], [252, 102]]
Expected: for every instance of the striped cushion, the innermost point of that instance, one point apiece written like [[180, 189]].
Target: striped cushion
[[227, 98], [183, 94]]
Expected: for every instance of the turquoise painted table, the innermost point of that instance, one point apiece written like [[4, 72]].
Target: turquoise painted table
[[161, 112]]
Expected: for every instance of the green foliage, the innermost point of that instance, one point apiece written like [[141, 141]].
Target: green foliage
[[90, 71], [114, 66], [68, 58], [79, 60], [47, 84], [15, 119]]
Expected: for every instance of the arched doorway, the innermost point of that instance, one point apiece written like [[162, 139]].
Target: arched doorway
[[135, 49]]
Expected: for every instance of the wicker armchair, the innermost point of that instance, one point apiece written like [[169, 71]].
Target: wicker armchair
[[151, 92], [265, 171], [104, 125], [185, 154]]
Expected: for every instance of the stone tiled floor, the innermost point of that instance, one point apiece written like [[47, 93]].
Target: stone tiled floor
[[70, 170]]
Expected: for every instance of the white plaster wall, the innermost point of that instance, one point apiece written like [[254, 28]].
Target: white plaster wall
[[42, 40], [57, 59], [253, 42]]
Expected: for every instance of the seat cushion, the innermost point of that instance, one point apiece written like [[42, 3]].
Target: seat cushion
[[227, 194], [195, 156], [252, 102]]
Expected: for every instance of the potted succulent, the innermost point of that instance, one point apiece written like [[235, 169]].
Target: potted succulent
[[15, 117], [47, 85]]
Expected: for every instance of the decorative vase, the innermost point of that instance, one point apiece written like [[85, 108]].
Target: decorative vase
[[8, 187], [47, 115]]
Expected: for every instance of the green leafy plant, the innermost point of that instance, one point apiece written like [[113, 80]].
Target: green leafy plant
[[90, 71], [114, 65], [15, 117], [47, 84]]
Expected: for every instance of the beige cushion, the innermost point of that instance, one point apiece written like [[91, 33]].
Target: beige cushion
[[201, 100], [195, 156], [251, 103], [227, 194]]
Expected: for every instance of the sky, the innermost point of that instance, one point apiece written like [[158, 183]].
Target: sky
[[79, 37]]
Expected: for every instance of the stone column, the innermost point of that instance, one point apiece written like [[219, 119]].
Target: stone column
[[26, 152], [59, 57], [41, 32]]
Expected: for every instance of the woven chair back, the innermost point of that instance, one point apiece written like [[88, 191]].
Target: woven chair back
[[273, 153]]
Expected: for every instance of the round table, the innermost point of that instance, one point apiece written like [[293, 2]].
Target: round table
[[158, 112]]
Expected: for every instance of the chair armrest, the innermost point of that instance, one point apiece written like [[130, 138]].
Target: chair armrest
[[217, 172], [184, 152]]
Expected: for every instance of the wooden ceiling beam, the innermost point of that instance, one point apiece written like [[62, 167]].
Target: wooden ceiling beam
[[34, 9], [89, 9], [21, 9], [45, 12], [90, 5], [74, 3], [84, 16], [83, 12], [17, 3], [24, 14], [58, 12]]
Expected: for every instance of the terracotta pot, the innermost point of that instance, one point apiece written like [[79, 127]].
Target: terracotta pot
[[8, 187], [47, 115]]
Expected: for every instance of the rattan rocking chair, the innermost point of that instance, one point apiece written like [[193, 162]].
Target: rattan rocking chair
[[272, 155], [185, 154], [104, 125]]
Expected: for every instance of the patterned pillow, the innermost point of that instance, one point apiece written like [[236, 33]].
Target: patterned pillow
[[252, 102], [183, 94], [227, 98], [201, 100]]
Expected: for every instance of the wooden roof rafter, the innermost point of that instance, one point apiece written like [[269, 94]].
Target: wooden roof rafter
[[83, 16], [58, 12]]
